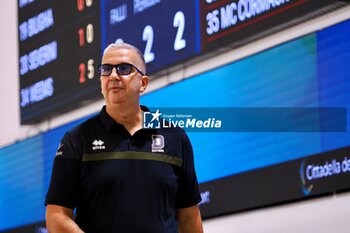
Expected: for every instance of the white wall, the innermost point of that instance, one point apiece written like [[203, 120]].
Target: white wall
[[9, 119], [327, 214]]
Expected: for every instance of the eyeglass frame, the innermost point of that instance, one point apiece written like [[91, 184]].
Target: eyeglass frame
[[116, 68]]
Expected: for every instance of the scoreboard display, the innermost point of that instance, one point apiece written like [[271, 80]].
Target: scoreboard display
[[61, 42], [59, 48]]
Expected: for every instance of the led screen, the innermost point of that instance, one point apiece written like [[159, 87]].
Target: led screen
[[61, 42], [237, 170], [241, 170]]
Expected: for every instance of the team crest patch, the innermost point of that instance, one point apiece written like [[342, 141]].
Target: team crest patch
[[157, 143]]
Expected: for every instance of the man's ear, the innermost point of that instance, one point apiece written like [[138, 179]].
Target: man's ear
[[144, 83]]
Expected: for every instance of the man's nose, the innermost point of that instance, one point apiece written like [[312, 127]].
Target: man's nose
[[114, 75]]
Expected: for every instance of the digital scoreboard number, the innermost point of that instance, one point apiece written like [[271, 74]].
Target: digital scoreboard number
[[61, 42]]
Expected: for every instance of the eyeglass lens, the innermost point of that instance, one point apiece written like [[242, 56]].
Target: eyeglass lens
[[122, 69]]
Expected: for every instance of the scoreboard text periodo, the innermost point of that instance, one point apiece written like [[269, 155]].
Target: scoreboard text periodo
[[61, 42]]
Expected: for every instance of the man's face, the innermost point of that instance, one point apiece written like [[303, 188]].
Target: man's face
[[116, 88]]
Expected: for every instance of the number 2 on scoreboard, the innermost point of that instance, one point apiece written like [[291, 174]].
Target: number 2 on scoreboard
[[179, 43], [179, 22], [90, 71]]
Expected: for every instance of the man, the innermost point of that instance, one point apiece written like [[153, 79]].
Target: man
[[119, 176]]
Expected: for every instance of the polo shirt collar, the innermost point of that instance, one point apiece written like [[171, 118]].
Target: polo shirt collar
[[107, 120]]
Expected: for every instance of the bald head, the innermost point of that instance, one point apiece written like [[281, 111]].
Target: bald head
[[114, 46]]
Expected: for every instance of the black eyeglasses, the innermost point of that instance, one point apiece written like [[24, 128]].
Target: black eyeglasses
[[122, 69]]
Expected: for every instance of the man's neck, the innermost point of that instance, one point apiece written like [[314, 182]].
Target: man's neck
[[129, 116]]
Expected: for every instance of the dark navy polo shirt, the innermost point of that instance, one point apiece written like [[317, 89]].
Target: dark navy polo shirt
[[123, 183]]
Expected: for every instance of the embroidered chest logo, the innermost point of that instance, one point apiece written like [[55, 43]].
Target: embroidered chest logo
[[98, 145], [157, 143], [59, 152]]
